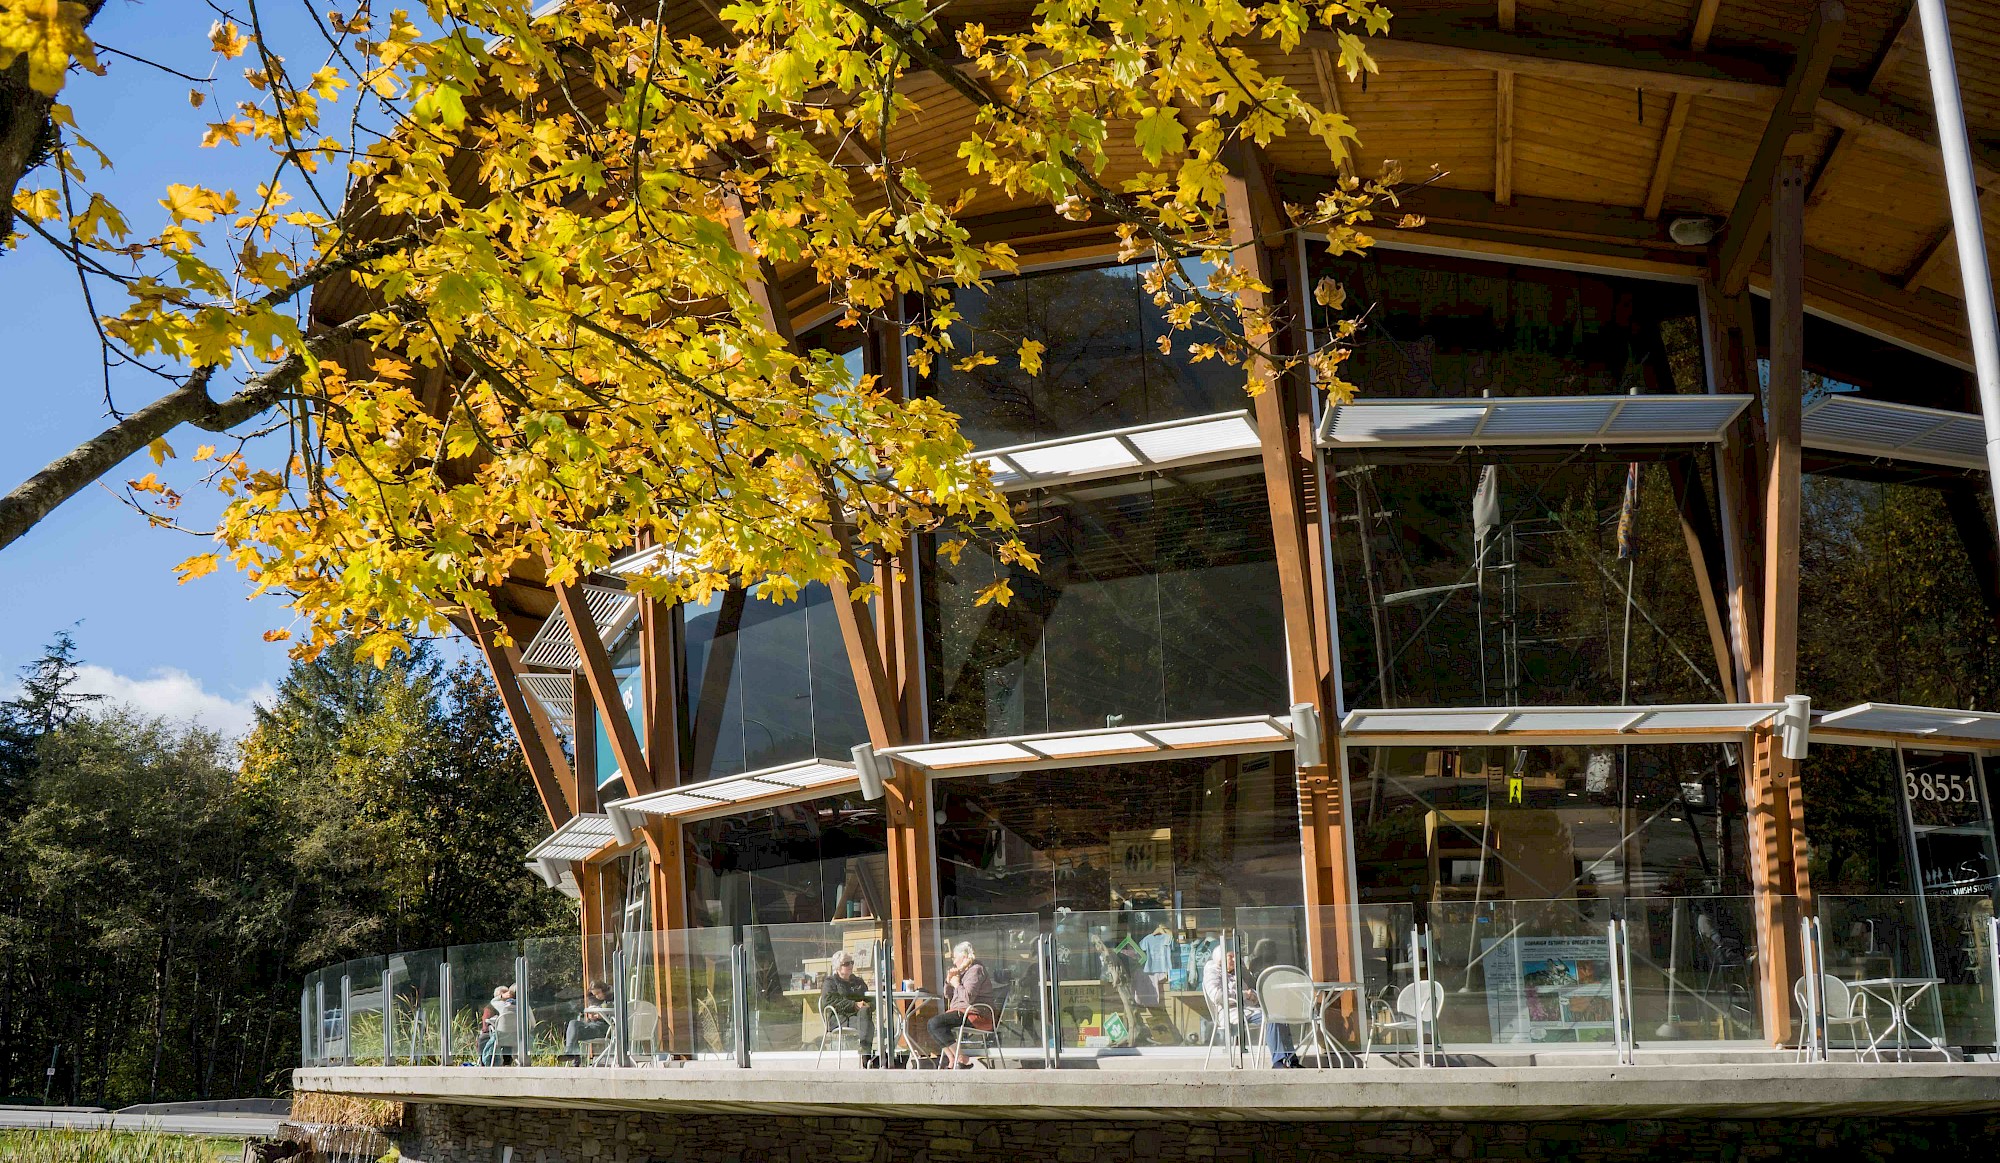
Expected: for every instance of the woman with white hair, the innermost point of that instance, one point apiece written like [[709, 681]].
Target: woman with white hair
[[966, 984], [843, 999]]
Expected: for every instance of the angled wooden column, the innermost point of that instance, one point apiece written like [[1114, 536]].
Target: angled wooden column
[[1283, 414], [625, 748], [1711, 579], [555, 783], [585, 742]]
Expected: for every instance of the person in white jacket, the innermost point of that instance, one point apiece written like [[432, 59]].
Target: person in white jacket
[[1218, 985]]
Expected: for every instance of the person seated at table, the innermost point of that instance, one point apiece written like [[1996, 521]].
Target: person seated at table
[[844, 994], [1218, 985], [593, 1024], [496, 1028], [966, 984]]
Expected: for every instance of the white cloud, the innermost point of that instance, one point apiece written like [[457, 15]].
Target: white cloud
[[174, 694]]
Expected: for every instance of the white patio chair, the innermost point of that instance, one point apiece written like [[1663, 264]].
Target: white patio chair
[[835, 1032], [1286, 995], [1416, 1010], [1845, 1009]]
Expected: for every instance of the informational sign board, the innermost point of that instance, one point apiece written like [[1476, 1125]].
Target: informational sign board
[[1548, 989]]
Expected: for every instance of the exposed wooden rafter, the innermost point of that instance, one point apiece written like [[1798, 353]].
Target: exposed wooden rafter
[[1503, 120], [625, 748], [1907, 38], [1680, 106], [554, 782], [1749, 224], [1636, 63]]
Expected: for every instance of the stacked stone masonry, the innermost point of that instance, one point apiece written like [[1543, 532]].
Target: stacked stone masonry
[[467, 1134]]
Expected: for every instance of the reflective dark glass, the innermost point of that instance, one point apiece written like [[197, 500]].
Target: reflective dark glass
[[821, 860]]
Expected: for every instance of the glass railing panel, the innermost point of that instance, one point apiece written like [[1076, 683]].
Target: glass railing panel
[[1532, 973], [365, 1026], [677, 986], [1005, 945], [485, 1029], [310, 1053], [416, 1007], [559, 971], [1961, 936], [1379, 963], [798, 971], [1878, 951], [1695, 973], [1131, 978]]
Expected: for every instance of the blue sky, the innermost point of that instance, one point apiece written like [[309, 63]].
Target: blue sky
[[94, 567]]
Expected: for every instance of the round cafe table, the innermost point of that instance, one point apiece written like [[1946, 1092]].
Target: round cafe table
[[1323, 995], [907, 1002], [1898, 994]]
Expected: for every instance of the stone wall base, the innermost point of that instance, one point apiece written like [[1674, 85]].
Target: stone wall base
[[435, 1133]]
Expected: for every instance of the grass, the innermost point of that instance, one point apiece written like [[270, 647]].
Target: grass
[[51, 1146]]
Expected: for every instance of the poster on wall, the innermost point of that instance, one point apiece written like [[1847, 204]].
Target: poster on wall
[[1548, 989], [1142, 867]]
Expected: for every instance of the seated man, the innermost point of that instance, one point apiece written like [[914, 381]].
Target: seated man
[[843, 998], [593, 1025], [1218, 986]]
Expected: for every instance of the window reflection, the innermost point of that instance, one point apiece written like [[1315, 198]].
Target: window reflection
[[1487, 582], [1890, 606], [625, 672], [1853, 819], [821, 860], [1538, 823], [1156, 600], [1186, 833], [1101, 367], [767, 683], [1441, 326]]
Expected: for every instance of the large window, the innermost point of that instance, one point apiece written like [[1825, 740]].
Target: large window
[[1156, 600], [1101, 366], [1180, 834], [767, 683], [1539, 823], [1490, 581], [625, 672], [1441, 327], [1890, 606], [821, 860]]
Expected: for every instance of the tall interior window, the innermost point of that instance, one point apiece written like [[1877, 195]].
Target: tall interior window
[[1213, 832], [1453, 327], [821, 860], [1101, 366], [1522, 578], [767, 683], [1156, 600]]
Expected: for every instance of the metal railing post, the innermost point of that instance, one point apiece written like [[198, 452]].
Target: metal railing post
[[1621, 1013], [1239, 1022], [319, 1022], [1051, 1007], [1993, 971], [621, 1008], [524, 1013], [444, 1013], [885, 1011], [346, 1020], [388, 1014], [1812, 1039], [739, 1002], [305, 1027]]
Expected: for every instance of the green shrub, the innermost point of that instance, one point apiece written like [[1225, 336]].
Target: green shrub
[[66, 1146]]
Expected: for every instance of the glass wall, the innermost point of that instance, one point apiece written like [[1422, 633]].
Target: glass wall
[[767, 683], [1156, 600], [1101, 365], [1446, 824], [1179, 834], [1520, 580], [821, 860], [1444, 327], [1854, 819], [1891, 608], [625, 671]]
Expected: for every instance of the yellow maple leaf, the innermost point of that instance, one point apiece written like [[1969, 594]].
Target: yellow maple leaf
[[224, 37], [49, 33], [200, 565]]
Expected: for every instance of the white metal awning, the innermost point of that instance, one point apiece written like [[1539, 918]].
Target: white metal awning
[[1848, 423], [1380, 423], [1922, 722], [558, 875], [579, 838], [611, 610], [1171, 444], [1098, 747], [1693, 722], [557, 695], [806, 779]]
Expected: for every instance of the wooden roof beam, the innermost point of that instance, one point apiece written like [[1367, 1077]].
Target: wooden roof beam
[[1907, 38], [625, 748], [1749, 224], [1503, 119], [1635, 63], [555, 783], [1677, 116]]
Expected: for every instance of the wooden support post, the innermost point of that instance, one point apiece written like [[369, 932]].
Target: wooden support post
[[1705, 555], [1282, 414], [554, 782], [590, 911], [625, 749], [1772, 796], [585, 741]]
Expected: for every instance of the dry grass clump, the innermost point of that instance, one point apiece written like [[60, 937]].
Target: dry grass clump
[[99, 1146], [341, 1110]]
